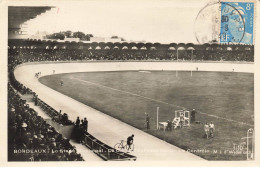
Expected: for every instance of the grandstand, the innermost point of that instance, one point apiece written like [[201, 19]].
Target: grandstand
[[52, 50], [30, 137]]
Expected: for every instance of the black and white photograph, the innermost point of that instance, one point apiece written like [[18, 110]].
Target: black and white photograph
[[131, 82]]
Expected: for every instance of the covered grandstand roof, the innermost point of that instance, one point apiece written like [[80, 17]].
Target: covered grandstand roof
[[17, 15]]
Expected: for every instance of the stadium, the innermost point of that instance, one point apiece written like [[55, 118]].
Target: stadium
[[126, 88]]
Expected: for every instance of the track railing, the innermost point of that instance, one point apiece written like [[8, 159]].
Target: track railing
[[104, 151], [47, 109], [101, 149]]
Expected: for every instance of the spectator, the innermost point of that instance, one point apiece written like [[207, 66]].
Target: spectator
[[206, 129], [35, 100], [148, 121], [211, 129], [169, 125], [193, 114], [78, 122], [65, 119], [85, 124], [81, 133]]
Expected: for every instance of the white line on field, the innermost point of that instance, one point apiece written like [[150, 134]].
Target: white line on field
[[148, 98]]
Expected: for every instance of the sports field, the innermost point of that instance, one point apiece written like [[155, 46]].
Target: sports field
[[225, 98]]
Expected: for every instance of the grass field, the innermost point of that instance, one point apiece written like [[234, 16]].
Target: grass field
[[227, 99]]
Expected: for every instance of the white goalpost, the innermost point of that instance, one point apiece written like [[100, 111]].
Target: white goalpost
[[176, 73]]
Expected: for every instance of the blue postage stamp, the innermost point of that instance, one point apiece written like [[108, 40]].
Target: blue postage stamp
[[237, 22]]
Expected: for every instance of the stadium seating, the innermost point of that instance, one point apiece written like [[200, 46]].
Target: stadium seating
[[31, 138], [31, 51]]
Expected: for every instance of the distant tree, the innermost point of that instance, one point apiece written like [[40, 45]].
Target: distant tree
[[59, 36], [68, 34], [56, 36], [79, 35], [87, 37]]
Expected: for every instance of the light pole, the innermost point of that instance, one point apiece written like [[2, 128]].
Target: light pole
[[157, 117], [177, 55], [250, 131]]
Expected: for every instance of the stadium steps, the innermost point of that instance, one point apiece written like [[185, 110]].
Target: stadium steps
[[39, 111], [27, 97]]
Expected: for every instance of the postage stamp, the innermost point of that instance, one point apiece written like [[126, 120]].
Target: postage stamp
[[229, 23], [131, 82], [237, 22]]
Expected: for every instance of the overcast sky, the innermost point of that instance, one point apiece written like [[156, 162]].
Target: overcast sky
[[161, 21]]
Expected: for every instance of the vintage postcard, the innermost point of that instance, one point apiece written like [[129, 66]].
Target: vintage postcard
[[130, 83]]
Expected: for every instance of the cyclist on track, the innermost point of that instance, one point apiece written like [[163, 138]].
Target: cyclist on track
[[130, 141]]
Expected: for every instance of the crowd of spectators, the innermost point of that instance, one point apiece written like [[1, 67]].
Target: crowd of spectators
[[224, 56], [36, 55], [30, 138]]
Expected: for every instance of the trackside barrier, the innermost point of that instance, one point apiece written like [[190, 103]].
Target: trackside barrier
[[66, 131], [101, 149], [47, 109], [56, 116], [106, 152]]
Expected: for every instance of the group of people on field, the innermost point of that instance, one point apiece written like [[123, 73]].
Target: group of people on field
[[81, 127], [209, 129], [170, 124]]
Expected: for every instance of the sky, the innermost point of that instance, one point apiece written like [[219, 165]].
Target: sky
[[163, 21]]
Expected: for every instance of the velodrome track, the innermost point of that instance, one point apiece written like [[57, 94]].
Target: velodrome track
[[104, 127]]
